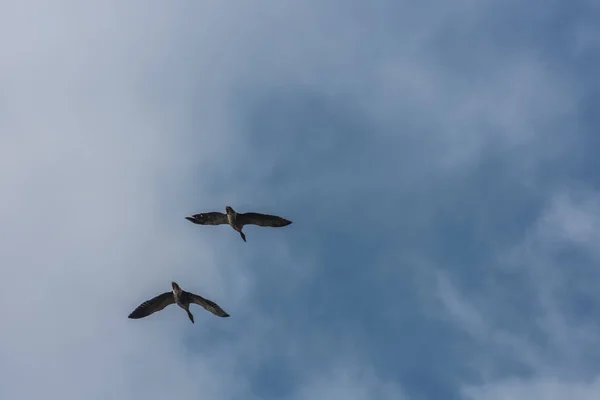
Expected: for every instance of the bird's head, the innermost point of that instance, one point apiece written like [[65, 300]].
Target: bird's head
[[229, 210]]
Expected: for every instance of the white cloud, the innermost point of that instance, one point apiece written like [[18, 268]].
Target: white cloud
[[542, 389], [96, 168], [559, 360], [343, 382], [87, 157], [572, 219]]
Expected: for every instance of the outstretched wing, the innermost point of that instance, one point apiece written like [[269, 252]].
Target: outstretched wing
[[208, 305], [209, 218], [153, 305], [262, 220]]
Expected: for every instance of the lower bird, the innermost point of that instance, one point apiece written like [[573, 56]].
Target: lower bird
[[177, 296], [238, 220]]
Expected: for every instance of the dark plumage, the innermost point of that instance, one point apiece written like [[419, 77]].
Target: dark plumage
[[238, 220], [177, 296]]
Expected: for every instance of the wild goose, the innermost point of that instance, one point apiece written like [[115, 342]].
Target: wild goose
[[177, 296], [238, 220]]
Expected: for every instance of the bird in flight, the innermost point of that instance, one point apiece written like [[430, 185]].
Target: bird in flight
[[176, 296], [238, 220]]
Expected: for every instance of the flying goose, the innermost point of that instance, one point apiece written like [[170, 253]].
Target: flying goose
[[238, 220], [177, 296]]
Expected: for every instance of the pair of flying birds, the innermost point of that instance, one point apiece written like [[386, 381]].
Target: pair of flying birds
[[182, 298]]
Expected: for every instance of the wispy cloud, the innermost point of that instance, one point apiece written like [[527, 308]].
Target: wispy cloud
[[544, 319]]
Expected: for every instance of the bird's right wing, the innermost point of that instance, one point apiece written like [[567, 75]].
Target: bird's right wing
[[209, 218], [208, 305], [259, 219], [153, 305]]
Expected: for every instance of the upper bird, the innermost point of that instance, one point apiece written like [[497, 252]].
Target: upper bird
[[177, 296], [238, 220]]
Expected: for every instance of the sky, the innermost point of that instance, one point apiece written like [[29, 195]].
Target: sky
[[439, 163]]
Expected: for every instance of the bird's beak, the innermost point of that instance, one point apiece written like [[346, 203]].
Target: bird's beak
[[191, 219]]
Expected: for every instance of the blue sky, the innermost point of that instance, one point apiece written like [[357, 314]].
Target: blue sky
[[438, 161]]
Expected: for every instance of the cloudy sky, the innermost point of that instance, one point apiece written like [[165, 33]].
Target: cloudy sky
[[439, 163]]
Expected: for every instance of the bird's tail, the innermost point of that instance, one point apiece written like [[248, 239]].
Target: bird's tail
[[190, 315]]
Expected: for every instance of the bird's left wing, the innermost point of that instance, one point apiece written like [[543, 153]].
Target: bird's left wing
[[153, 305], [209, 218]]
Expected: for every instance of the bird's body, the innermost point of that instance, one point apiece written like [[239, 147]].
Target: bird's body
[[238, 220], [177, 296], [231, 217], [232, 221]]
